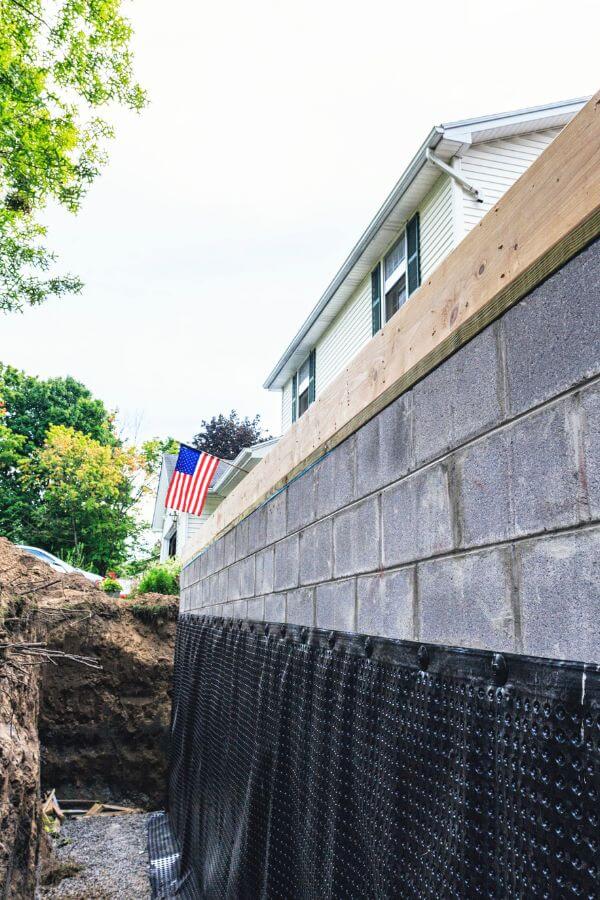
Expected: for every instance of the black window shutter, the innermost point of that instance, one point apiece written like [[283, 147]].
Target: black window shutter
[[312, 365], [376, 298], [294, 397], [413, 266]]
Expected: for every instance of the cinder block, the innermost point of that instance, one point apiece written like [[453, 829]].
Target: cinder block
[[247, 577], [559, 586], [335, 605], [276, 517], [416, 517], [356, 538], [256, 609], [460, 399], [203, 558], [286, 563], [241, 539], [240, 609], [466, 600], [264, 571], [316, 552], [482, 481], [384, 447], [274, 608], [223, 586], [334, 478], [233, 583], [227, 609], [301, 501], [590, 405], [544, 479], [257, 529], [229, 548], [553, 335], [213, 588], [301, 606], [385, 603], [219, 554]]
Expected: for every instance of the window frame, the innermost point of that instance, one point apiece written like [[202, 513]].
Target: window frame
[[305, 388], [387, 284]]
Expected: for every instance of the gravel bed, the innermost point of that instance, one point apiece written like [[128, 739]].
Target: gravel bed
[[112, 853]]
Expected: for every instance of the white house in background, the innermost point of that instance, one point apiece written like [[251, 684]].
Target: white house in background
[[177, 528], [460, 171]]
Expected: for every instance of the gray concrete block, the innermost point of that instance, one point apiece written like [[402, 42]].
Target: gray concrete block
[[467, 600], [590, 406], [559, 586], [301, 501], [241, 539], [218, 555], [247, 577], [316, 552], [229, 548], [460, 399], [384, 447], [275, 511], [356, 538], [545, 485], [335, 605], [203, 560], [416, 517], [240, 609], [227, 609], [264, 571], [301, 606], [257, 529], [223, 586], [482, 476], [553, 335], [286, 567], [233, 583], [274, 608], [256, 608], [334, 478], [385, 603]]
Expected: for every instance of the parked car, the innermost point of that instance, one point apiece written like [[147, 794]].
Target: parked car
[[59, 565]]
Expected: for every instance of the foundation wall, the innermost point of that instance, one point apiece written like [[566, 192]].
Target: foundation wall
[[466, 513]]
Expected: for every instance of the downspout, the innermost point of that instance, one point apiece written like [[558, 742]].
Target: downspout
[[444, 167]]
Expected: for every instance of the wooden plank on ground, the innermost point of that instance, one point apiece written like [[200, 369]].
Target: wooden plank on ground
[[545, 218]]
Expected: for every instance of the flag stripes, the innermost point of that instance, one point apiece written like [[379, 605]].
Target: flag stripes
[[191, 480]]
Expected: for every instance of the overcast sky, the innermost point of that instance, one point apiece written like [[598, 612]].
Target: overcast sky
[[275, 131]]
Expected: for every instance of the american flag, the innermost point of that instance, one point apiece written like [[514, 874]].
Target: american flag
[[191, 480]]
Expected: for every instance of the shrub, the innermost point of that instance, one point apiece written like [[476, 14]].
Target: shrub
[[111, 586], [160, 579]]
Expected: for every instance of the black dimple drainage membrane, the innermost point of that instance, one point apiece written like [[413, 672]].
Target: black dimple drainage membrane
[[310, 764]]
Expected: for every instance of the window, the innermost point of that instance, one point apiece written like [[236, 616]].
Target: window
[[303, 386], [401, 274], [172, 551]]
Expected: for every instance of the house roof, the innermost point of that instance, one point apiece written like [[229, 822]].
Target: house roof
[[448, 140]]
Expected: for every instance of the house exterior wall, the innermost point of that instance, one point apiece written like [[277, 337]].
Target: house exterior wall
[[495, 165], [467, 512], [446, 215]]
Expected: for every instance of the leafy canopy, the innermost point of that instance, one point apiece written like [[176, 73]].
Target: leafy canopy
[[225, 436], [60, 60]]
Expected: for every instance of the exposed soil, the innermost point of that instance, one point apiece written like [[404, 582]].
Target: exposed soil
[[99, 859], [103, 733]]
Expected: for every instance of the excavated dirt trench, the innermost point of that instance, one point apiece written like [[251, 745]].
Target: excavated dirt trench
[[98, 734]]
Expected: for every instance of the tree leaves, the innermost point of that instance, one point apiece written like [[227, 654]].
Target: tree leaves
[[225, 436], [59, 61]]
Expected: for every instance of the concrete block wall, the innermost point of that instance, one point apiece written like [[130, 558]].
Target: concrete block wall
[[467, 512]]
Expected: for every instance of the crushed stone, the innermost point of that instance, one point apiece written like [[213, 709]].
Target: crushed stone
[[113, 856]]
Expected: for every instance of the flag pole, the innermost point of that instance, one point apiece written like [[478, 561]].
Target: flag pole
[[226, 461]]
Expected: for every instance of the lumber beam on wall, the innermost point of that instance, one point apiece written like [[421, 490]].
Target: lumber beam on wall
[[543, 220]]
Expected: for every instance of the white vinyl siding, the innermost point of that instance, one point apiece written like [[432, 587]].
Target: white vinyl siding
[[437, 225], [345, 336], [286, 406], [493, 167], [188, 525]]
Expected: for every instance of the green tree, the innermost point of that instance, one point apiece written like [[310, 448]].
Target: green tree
[[225, 436], [84, 496], [28, 407], [60, 61]]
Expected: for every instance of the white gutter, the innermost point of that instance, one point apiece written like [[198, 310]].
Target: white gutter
[[444, 167]]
